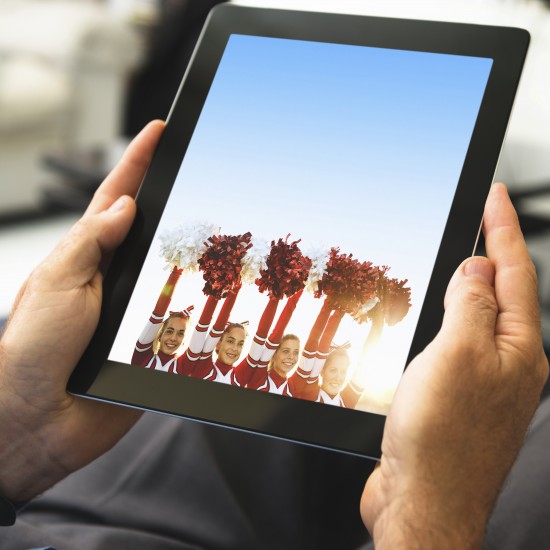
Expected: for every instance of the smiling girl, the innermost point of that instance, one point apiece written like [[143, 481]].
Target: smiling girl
[[161, 339], [275, 379], [258, 370], [226, 339], [322, 373]]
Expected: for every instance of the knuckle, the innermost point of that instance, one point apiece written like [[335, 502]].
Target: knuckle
[[467, 352], [477, 296]]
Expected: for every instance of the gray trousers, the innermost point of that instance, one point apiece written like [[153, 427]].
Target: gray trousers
[[172, 483]]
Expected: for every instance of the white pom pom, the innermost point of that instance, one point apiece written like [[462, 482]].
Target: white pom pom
[[182, 246], [366, 307], [319, 258], [255, 260]]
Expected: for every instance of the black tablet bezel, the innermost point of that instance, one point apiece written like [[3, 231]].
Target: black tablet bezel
[[278, 416]]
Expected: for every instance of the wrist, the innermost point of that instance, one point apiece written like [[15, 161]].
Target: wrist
[[26, 468]]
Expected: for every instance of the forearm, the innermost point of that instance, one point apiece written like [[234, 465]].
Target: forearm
[[316, 332], [329, 333], [220, 324], [258, 344], [166, 294], [201, 330]]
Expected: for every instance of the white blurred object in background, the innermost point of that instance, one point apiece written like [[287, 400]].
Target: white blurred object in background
[[64, 67]]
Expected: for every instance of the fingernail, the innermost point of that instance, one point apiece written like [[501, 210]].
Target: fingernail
[[118, 205], [480, 267]]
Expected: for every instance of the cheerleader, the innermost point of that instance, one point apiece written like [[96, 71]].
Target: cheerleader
[[274, 378], [161, 339], [253, 370], [331, 389], [226, 339], [322, 373]]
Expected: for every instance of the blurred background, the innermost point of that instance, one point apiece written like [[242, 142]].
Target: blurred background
[[79, 78]]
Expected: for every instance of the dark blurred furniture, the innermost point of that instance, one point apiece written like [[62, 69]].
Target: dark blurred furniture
[[172, 41]]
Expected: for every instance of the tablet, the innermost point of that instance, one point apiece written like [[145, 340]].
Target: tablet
[[319, 179]]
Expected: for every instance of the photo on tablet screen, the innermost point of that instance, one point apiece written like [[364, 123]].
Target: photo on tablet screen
[[295, 250]]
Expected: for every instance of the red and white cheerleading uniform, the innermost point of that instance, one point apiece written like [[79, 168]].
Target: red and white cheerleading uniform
[[324, 397], [258, 376], [347, 397], [197, 359], [275, 383], [216, 371], [305, 388], [143, 355], [306, 378]]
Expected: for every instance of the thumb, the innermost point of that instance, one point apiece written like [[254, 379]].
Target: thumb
[[76, 259], [470, 303]]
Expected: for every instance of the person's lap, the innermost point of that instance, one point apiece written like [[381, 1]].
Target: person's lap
[[520, 518], [172, 483]]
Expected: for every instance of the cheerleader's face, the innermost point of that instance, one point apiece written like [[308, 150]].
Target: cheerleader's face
[[172, 337], [334, 374], [286, 356], [231, 345]]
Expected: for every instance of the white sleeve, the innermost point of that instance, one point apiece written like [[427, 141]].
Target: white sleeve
[[148, 334]]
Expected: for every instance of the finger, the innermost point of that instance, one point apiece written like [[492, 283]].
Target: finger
[[370, 506], [470, 303], [79, 254], [128, 174], [516, 281]]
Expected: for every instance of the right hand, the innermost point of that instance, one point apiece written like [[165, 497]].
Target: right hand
[[462, 408]]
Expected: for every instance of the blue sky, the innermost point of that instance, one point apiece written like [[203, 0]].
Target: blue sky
[[380, 135], [339, 145]]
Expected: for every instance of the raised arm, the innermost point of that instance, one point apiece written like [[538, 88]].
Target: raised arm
[[277, 333], [145, 340], [309, 355], [200, 333], [310, 389], [245, 369], [219, 326], [258, 375], [352, 391]]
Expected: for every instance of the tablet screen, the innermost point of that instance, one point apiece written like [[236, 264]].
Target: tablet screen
[[319, 165]]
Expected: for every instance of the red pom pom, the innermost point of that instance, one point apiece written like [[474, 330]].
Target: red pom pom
[[394, 300], [221, 263], [347, 283], [286, 272]]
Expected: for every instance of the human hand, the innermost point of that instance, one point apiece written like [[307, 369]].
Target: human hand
[[45, 433], [461, 411]]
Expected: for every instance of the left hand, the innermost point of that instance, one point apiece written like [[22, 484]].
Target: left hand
[[45, 433]]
